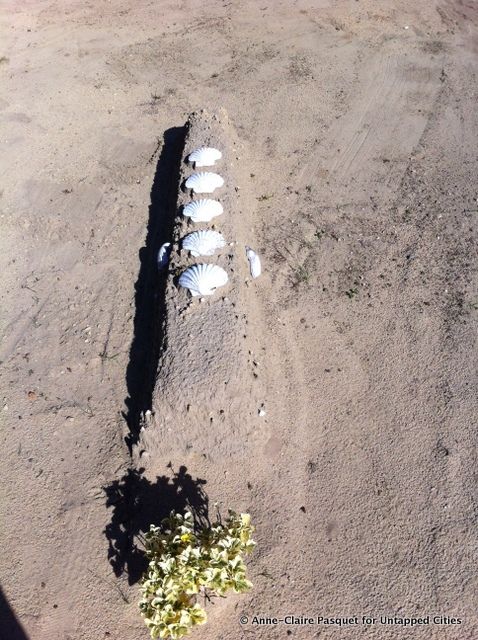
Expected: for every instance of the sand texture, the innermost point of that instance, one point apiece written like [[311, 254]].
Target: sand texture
[[206, 354], [334, 398]]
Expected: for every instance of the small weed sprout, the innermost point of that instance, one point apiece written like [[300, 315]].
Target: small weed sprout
[[302, 275], [184, 563]]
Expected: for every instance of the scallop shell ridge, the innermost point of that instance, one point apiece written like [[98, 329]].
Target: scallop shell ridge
[[254, 262], [204, 182], [203, 210], [205, 156], [203, 279], [163, 255], [203, 243]]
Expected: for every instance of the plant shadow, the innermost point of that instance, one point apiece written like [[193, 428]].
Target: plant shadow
[[137, 503]]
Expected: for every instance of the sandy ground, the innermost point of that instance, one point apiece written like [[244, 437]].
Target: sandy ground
[[360, 122]]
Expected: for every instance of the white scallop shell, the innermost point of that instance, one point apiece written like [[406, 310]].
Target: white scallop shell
[[205, 156], [203, 279], [163, 255], [254, 262], [203, 210], [203, 243], [204, 182]]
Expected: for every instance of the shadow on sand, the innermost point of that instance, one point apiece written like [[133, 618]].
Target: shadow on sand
[[151, 285], [10, 628], [137, 503]]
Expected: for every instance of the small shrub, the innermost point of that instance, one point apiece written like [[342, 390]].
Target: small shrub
[[184, 564]]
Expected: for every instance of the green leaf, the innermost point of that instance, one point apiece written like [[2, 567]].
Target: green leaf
[[184, 562]]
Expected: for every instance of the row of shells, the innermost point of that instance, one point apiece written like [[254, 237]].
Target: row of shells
[[204, 278]]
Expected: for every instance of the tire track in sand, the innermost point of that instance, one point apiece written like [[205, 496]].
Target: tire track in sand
[[376, 135]]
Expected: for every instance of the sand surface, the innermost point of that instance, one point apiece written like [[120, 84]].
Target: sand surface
[[359, 125]]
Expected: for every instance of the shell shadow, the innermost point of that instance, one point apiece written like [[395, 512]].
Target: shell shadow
[[136, 503], [150, 285]]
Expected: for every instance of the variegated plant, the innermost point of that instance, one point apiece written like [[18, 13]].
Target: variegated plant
[[184, 563]]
